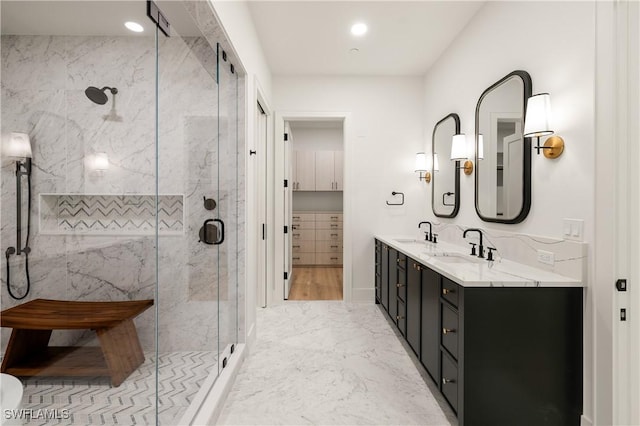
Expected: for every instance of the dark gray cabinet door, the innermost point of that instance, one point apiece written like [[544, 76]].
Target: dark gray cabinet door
[[430, 323], [384, 276], [413, 305], [393, 284]]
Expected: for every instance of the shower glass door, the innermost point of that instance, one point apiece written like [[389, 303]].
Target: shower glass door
[[192, 261]]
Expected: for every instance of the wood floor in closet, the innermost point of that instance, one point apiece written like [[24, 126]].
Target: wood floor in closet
[[316, 283]]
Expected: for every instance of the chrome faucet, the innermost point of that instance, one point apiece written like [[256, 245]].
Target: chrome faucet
[[473, 245], [428, 236]]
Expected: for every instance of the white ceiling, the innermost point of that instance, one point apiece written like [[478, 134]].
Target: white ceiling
[[313, 37]]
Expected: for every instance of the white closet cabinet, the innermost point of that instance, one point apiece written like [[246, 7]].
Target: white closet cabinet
[[329, 171], [304, 171]]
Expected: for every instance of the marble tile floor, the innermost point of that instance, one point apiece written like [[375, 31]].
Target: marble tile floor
[[93, 401], [331, 363]]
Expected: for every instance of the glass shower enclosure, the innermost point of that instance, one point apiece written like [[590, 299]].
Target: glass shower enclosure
[[121, 209]]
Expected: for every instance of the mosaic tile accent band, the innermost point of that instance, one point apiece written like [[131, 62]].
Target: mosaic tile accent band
[[118, 214]]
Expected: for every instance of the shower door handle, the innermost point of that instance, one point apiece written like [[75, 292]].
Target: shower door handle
[[209, 233], [221, 231]]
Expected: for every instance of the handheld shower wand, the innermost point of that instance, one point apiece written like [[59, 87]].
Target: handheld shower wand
[[20, 146]]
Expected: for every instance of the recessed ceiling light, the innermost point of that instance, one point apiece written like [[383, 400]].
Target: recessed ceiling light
[[134, 26], [358, 29]]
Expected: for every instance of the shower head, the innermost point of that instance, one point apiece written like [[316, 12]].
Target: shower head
[[97, 95]]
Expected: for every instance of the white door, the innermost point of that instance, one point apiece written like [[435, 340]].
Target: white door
[[305, 171], [512, 174], [338, 170], [259, 199], [287, 188], [324, 171]]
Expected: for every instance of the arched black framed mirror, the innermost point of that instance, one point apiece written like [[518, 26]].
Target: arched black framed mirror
[[503, 154], [445, 183]]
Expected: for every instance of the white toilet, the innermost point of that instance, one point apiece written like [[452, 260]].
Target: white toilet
[[10, 399]]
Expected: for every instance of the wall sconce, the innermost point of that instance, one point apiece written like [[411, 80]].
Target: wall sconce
[[537, 123], [100, 162], [459, 151], [422, 167]]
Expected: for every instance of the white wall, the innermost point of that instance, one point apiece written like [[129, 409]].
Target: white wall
[[555, 43], [238, 25], [386, 123]]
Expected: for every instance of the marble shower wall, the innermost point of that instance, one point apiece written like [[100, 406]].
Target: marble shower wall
[[43, 80]]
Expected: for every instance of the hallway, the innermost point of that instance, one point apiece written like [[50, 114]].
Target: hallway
[[330, 363]]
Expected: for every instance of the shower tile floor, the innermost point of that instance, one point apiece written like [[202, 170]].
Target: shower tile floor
[[94, 401], [331, 363]]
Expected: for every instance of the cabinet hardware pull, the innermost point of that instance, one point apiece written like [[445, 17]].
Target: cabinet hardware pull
[[398, 317], [296, 246], [296, 217], [445, 381], [296, 258], [448, 330], [335, 235], [399, 285], [334, 258], [447, 291], [334, 217], [337, 247]]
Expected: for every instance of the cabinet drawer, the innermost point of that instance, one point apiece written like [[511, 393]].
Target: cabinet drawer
[[328, 258], [329, 225], [329, 217], [450, 329], [303, 225], [401, 317], [303, 234], [449, 381], [450, 291], [329, 234], [303, 246], [303, 217], [327, 246], [304, 258]]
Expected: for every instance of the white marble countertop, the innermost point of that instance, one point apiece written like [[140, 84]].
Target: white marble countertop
[[455, 263]]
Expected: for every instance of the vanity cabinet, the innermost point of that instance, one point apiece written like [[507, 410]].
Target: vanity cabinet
[[499, 355]]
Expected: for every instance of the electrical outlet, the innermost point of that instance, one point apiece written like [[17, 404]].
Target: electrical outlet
[[546, 257], [572, 229]]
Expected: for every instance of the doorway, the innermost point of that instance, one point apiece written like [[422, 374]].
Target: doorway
[[314, 207]]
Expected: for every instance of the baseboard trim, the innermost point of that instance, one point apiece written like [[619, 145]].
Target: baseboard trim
[[363, 295]]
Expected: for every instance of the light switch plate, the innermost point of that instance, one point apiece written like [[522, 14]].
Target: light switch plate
[[573, 229]]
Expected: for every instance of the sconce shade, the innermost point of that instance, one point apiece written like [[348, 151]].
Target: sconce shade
[[459, 147], [480, 147], [101, 161], [436, 165], [18, 146], [538, 117], [421, 162]]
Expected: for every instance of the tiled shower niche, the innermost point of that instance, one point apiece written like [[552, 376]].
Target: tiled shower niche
[[131, 214]]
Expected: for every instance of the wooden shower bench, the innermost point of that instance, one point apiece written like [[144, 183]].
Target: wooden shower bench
[[29, 354]]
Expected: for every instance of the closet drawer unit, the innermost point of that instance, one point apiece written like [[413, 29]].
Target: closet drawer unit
[[303, 246], [450, 329], [450, 291], [303, 234], [303, 217], [329, 225], [303, 225], [449, 380], [327, 246], [329, 217], [304, 258], [328, 258], [329, 234]]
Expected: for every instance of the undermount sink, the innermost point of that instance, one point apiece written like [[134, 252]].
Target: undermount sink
[[455, 258], [408, 240]]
